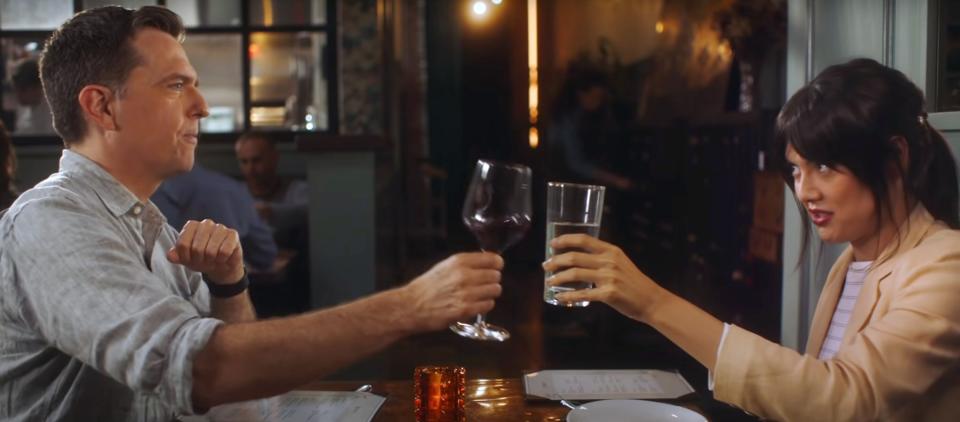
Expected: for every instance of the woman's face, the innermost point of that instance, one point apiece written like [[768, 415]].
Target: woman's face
[[839, 205]]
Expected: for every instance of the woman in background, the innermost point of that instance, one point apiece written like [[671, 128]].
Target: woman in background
[[866, 168]]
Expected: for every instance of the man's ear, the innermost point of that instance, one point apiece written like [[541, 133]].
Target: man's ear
[[97, 104]]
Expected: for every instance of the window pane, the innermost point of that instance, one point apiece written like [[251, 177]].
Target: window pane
[[34, 14], [129, 4], [292, 12], [287, 86], [24, 107], [207, 12], [217, 59]]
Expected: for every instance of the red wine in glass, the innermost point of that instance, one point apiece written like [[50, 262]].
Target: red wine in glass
[[496, 235], [497, 210]]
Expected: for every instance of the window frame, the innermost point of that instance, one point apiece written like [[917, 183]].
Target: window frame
[[328, 56]]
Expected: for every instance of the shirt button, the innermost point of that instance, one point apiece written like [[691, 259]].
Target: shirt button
[[137, 209]]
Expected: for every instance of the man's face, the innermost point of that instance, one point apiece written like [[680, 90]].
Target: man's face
[[257, 159], [159, 109]]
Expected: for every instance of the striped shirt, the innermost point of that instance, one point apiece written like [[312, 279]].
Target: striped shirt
[[856, 273], [95, 323]]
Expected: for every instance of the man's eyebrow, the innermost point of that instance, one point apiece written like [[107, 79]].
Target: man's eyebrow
[[177, 75]]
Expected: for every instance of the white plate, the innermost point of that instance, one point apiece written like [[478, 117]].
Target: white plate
[[632, 411]]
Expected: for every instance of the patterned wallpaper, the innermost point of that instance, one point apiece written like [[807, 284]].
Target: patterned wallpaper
[[361, 83]]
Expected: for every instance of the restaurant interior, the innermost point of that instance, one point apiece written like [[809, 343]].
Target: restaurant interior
[[383, 108]]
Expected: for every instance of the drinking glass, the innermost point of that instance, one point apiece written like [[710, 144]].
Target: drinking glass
[[571, 208], [497, 210]]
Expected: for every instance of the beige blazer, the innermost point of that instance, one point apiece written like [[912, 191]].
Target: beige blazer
[[900, 355]]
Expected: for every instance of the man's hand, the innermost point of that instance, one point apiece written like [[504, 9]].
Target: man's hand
[[210, 248], [457, 288]]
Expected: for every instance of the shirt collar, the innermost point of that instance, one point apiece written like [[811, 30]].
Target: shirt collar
[[909, 234], [117, 198]]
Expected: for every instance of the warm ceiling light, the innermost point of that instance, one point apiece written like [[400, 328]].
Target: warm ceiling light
[[479, 8], [533, 93], [659, 27]]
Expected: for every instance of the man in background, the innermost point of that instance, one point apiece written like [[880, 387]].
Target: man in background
[[202, 193], [281, 201]]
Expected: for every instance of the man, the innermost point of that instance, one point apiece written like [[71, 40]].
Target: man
[[104, 313], [33, 115], [281, 201]]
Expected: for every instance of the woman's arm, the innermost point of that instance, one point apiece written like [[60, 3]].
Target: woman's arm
[[620, 284]]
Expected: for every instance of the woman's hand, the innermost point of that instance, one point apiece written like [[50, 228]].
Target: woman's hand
[[617, 281]]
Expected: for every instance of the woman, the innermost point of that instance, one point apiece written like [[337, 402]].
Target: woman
[[867, 168], [8, 166]]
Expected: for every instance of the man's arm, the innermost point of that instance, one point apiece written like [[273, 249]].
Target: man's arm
[[233, 309], [249, 360], [259, 359]]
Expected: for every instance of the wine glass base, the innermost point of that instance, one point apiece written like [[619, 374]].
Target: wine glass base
[[480, 331]]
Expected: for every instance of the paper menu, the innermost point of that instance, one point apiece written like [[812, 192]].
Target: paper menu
[[298, 406], [606, 384]]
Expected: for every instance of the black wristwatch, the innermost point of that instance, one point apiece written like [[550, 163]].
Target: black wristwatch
[[225, 291]]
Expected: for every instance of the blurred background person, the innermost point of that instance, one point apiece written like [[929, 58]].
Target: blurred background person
[[584, 129], [202, 193], [8, 159], [33, 113], [280, 201]]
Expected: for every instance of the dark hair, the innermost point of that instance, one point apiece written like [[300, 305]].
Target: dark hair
[[94, 47], [849, 115], [581, 75], [27, 74]]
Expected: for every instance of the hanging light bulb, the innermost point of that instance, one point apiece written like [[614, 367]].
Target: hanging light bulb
[[479, 8]]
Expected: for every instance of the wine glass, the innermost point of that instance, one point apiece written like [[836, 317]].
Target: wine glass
[[497, 210]]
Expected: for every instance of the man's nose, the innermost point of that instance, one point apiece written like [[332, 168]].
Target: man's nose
[[199, 108]]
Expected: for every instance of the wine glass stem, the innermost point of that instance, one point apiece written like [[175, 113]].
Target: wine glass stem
[[480, 322]]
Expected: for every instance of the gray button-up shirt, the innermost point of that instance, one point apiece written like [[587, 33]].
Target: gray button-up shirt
[[95, 323]]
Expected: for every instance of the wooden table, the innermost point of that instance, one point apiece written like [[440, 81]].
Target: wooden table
[[487, 400]]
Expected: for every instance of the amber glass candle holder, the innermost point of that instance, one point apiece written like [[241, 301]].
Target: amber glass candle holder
[[438, 393]]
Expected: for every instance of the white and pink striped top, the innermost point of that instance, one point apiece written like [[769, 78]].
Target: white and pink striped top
[[856, 273]]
